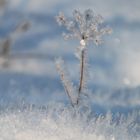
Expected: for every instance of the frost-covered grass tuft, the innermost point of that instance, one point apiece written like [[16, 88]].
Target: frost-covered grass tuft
[[58, 122]]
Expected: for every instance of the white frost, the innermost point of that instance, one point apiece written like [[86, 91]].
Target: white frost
[[83, 43], [57, 122]]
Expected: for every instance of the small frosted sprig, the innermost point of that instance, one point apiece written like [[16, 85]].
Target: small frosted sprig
[[61, 19], [68, 85], [85, 26], [7, 42]]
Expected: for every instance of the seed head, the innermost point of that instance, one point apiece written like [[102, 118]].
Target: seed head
[[85, 26]]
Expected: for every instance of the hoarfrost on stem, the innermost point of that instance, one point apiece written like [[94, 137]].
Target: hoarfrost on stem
[[68, 85], [85, 27]]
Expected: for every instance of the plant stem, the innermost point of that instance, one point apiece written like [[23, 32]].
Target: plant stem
[[81, 72], [66, 89], [82, 69], [64, 78]]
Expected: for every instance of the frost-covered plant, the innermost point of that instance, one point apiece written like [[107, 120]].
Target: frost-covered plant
[[6, 43], [86, 27], [68, 86]]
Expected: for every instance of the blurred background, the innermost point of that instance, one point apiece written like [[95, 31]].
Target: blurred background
[[30, 41]]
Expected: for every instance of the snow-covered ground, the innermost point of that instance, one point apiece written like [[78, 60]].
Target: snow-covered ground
[[58, 122], [33, 104]]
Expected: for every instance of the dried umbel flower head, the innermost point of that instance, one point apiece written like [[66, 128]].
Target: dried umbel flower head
[[85, 26]]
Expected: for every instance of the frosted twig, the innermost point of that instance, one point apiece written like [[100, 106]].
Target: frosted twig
[[10, 39], [68, 85], [85, 27], [81, 71]]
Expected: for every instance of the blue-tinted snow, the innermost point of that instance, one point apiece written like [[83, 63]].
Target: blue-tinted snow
[[33, 104], [114, 66]]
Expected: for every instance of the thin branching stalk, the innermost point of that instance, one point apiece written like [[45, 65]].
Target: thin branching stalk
[[67, 84], [62, 76]]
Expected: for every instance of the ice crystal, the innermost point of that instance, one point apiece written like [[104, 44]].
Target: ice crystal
[[85, 27]]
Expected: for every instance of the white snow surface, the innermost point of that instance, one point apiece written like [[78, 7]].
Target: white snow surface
[[58, 122]]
